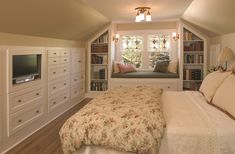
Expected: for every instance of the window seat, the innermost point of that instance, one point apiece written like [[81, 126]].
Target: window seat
[[145, 74]]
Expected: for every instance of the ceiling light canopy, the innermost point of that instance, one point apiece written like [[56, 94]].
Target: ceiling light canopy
[[141, 14]]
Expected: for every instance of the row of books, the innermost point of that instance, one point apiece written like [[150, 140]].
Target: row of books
[[99, 86], [193, 58], [190, 36], [193, 46], [99, 59], [99, 48], [102, 39], [192, 86], [192, 74], [102, 73]]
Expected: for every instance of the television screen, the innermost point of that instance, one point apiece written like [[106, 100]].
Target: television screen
[[24, 65]]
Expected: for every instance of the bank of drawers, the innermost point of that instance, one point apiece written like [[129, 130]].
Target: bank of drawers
[[77, 75], [58, 78], [58, 99], [25, 107]]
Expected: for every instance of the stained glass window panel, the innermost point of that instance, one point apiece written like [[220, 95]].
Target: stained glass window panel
[[159, 43]]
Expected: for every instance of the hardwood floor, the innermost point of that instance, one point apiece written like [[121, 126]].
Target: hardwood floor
[[46, 140]]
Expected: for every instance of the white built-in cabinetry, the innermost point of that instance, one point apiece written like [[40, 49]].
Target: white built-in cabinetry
[[26, 101], [77, 80], [26, 107], [58, 77]]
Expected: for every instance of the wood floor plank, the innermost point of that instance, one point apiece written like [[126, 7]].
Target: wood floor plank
[[46, 140]]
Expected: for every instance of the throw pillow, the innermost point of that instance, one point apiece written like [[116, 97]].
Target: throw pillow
[[161, 66], [126, 68], [173, 66]]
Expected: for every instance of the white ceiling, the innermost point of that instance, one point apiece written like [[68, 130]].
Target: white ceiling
[[62, 19], [123, 10], [79, 19], [215, 16]]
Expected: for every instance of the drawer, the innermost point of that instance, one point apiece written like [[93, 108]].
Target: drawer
[[25, 98], [24, 117], [56, 86], [64, 60], [53, 72], [64, 70], [58, 99], [53, 53], [65, 53], [58, 71], [77, 67], [53, 61], [77, 89], [76, 78]]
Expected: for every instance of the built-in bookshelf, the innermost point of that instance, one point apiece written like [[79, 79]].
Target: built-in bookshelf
[[193, 60], [99, 63]]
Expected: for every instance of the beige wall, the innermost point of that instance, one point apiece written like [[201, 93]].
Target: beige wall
[[146, 26], [25, 40], [227, 40]]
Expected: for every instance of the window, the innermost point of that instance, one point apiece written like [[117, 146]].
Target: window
[[145, 48]]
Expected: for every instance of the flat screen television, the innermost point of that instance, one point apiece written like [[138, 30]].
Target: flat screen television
[[26, 68]]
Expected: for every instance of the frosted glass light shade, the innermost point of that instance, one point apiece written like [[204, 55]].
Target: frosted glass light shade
[[137, 18], [148, 18], [142, 16]]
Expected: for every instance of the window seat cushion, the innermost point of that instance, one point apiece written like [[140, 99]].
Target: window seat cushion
[[145, 74]]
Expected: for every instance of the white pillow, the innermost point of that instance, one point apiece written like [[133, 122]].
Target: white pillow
[[225, 96], [115, 66], [211, 82], [173, 66]]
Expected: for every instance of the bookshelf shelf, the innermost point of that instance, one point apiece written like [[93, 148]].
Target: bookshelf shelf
[[193, 59], [98, 65]]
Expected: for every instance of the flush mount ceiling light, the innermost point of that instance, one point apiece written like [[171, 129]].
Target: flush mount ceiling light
[[141, 14]]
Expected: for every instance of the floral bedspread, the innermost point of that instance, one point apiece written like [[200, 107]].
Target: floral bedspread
[[126, 119]]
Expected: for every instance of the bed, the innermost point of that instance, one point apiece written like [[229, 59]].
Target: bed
[[192, 126]]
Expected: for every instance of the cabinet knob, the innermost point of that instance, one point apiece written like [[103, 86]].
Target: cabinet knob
[[54, 53], [64, 70], [168, 87], [54, 72], [65, 84], [75, 92], [54, 61], [54, 87], [65, 53], [37, 94], [37, 111], [75, 80], [65, 97], [19, 121], [79, 61], [65, 59], [54, 102], [19, 100]]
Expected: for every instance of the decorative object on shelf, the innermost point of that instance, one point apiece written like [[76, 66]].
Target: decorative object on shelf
[[225, 56], [116, 37], [175, 36], [140, 14]]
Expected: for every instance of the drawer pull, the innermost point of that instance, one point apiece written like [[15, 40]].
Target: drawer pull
[[168, 87], [54, 102], [54, 61], [37, 94], [19, 100], [75, 80], [65, 53], [37, 111], [54, 87], [54, 53], [75, 92], [65, 97], [79, 61], [65, 84], [64, 70], [54, 72], [19, 121], [65, 59], [81, 77]]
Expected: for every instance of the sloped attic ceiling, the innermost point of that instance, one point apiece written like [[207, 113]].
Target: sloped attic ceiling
[[62, 19], [215, 16]]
